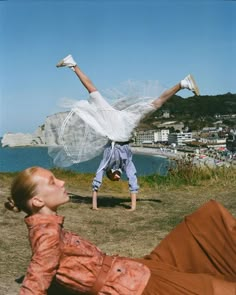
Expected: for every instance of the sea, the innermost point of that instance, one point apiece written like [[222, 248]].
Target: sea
[[19, 158]]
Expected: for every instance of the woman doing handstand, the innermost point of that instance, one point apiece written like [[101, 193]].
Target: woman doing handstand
[[94, 126]]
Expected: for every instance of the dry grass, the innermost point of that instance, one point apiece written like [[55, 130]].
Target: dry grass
[[112, 228]]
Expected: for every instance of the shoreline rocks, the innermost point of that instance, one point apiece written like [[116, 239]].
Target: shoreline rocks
[[24, 139]]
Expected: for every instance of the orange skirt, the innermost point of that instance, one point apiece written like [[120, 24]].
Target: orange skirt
[[197, 257]]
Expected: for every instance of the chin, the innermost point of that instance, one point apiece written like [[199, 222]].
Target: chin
[[66, 200]]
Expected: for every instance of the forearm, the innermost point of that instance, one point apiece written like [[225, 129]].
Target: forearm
[[94, 201], [133, 197], [97, 181]]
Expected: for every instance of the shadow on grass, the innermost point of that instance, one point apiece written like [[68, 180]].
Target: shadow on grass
[[107, 201]]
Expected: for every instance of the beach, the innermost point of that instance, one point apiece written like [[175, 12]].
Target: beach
[[197, 159], [160, 152]]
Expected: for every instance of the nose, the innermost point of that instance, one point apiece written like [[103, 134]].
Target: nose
[[60, 182]]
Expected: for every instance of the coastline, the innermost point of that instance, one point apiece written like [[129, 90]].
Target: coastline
[[173, 154], [19, 157], [163, 153]]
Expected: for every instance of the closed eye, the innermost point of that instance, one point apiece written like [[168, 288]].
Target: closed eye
[[51, 180]]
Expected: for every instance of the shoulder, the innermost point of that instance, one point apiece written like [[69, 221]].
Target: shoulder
[[44, 227]]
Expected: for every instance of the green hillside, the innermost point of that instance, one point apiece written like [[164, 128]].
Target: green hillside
[[196, 108]]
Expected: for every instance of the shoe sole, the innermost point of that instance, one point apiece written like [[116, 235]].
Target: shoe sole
[[60, 64], [195, 87]]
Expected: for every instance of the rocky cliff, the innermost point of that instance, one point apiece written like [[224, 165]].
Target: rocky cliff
[[22, 139], [38, 138]]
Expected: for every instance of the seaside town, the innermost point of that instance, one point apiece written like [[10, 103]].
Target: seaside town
[[213, 145]]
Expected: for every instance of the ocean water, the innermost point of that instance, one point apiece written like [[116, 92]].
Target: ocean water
[[19, 158]]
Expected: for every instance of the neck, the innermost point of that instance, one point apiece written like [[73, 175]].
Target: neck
[[45, 211]]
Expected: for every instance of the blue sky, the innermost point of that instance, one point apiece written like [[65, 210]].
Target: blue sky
[[112, 41]]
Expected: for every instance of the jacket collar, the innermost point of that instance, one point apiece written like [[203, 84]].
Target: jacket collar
[[39, 219]]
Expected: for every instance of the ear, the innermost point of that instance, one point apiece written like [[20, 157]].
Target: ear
[[37, 202]]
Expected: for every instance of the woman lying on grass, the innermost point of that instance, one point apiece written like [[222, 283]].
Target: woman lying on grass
[[197, 257]]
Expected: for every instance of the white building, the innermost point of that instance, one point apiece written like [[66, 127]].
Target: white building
[[142, 136], [161, 135], [210, 129], [151, 136], [214, 142], [166, 114], [180, 138]]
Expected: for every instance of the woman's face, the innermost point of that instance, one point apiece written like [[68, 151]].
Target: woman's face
[[50, 189]]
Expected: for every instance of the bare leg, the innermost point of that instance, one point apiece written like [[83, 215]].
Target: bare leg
[[133, 197], [69, 62], [166, 95], [94, 202], [88, 84]]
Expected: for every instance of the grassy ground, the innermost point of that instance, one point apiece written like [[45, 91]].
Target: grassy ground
[[162, 203]]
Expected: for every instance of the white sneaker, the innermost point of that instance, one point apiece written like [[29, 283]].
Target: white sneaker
[[189, 83], [68, 61]]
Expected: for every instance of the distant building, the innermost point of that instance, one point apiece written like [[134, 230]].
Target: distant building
[[229, 116], [231, 142], [209, 129], [180, 138], [166, 114], [161, 135], [151, 136], [144, 137], [216, 143], [171, 124]]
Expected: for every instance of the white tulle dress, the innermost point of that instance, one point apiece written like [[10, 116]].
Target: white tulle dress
[[82, 133]]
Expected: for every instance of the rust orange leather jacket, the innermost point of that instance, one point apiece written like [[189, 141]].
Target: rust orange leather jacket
[[75, 262]]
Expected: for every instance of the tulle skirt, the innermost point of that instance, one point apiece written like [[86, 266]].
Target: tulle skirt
[[81, 133]]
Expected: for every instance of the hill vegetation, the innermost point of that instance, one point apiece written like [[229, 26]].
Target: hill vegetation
[[202, 106], [196, 111]]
